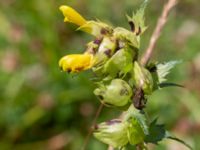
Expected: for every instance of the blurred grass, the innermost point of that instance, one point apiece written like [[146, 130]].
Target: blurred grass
[[43, 108]]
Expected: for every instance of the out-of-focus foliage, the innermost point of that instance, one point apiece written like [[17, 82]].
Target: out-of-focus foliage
[[43, 108]]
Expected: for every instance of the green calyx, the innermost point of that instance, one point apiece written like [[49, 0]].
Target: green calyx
[[135, 132], [127, 37], [142, 78], [117, 93], [120, 63], [131, 128], [113, 133]]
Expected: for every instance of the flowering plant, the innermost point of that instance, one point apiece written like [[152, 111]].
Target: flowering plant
[[122, 81]]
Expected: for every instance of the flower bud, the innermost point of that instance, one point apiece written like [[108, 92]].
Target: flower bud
[[113, 133], [142, 78], [117, 93]]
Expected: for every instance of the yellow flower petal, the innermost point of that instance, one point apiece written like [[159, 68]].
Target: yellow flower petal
[[76, 62], [72, 15]]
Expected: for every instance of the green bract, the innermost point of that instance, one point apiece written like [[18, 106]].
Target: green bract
[[137, 20], [135, 132], [119, 64], [119, 132], [117, 93], [126, 36]]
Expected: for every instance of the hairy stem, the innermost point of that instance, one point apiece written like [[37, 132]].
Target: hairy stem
[[157, 31]]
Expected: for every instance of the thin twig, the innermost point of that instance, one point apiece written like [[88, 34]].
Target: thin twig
[[160, 24], [92, 128]]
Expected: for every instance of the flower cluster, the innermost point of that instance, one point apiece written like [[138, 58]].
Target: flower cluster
[[121, 79], [112, 56]]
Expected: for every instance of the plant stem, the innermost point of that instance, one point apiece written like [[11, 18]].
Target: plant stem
[[157, 31], [92, 128]]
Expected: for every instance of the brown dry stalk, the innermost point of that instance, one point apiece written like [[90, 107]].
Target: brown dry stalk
[[157, 31], [92, 128]]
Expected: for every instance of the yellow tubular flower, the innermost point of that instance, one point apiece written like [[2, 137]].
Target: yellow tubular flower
[[76, 62], [72, 15]]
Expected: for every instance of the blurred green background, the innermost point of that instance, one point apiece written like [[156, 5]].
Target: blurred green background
[[45, 109]]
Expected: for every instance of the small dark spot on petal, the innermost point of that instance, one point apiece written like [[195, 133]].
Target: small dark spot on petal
[[97, 41], [108, 52], [123, 92]]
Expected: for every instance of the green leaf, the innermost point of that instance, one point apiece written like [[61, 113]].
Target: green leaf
[[164, 69], [170, 136], [162, 85], [157, 133]]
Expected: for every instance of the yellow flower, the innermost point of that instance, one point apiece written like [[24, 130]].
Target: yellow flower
[[76, 62], [72, 15]]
